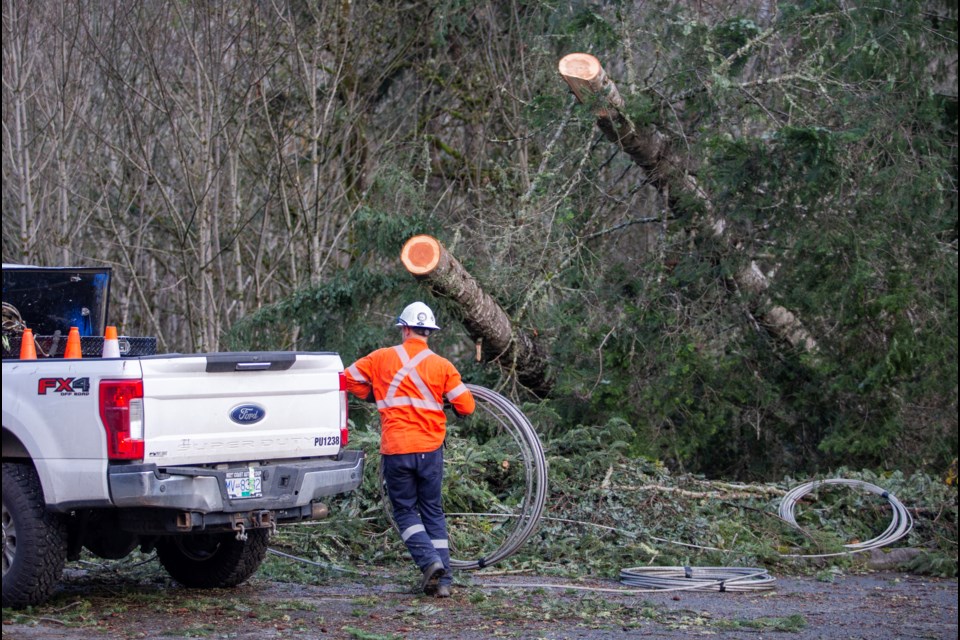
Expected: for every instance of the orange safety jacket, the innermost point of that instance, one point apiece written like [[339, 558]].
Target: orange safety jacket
[[409, 383]]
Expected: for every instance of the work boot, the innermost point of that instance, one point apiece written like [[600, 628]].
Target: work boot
[[443, 591], [431, 577]]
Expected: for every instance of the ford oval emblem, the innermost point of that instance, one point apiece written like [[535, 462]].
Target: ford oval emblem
[[247, 414]]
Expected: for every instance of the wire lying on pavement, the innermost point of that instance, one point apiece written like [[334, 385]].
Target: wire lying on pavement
[[666, 579], [722, 579], [314, 563], [698, 578], [648, 579]]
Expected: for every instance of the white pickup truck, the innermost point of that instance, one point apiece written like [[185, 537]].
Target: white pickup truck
[[195, 456]]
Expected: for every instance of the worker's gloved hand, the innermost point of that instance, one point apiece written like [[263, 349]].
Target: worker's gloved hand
[[447, 405]]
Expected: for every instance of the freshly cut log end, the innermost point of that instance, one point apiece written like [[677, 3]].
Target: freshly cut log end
[[421, 254], [585, 76], [580, 65]]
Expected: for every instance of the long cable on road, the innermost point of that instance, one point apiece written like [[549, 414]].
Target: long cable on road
[[665, 579], [649, 579]]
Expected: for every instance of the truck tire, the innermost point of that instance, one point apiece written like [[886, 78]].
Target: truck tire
[[34, 539], [211, 561]]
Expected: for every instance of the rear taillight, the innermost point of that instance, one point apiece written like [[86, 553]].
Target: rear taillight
[[344, 432], [121, 410]]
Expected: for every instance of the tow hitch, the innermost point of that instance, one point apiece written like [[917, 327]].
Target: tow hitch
[[262, 519]]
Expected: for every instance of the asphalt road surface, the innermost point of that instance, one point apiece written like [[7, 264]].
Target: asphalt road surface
[[383, 606]]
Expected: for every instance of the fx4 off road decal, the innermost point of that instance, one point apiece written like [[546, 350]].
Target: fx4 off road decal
[[64, 386]]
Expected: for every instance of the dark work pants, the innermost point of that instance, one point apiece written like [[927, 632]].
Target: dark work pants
[[414, 481]]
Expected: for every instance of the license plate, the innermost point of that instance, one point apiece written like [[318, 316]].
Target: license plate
[[245, 484]]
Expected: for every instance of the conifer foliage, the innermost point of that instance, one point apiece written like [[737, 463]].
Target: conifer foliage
[[251, 171]]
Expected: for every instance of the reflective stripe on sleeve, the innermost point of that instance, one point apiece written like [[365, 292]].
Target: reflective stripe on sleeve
[[355, 373], [456, 392]]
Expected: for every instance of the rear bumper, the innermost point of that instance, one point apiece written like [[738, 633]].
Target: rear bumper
[[286, 485]]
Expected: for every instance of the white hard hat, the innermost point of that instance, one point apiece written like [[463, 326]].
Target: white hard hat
[[417, 314]]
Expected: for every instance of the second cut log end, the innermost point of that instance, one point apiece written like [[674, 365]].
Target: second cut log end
[[580, 66]]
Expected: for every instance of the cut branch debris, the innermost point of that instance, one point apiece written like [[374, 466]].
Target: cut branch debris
[[484, 319], [668, 172]]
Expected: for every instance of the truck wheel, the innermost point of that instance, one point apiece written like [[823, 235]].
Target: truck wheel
[[210, 561], [34, 539]]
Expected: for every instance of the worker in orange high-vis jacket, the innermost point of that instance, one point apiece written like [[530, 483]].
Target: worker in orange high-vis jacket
[[409, 383]]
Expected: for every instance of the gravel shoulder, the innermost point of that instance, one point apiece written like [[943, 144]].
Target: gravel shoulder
[[381, 605]]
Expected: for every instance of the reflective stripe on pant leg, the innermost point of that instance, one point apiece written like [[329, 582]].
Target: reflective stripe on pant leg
[[443, 550], [399, 473], [409, 531], [430, 503]]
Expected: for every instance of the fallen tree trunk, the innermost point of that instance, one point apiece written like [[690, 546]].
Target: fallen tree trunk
[[667, 171], [486, 322]]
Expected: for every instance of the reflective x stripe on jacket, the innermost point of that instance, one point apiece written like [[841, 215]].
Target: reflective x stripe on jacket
[[409, 383], [409, 370]]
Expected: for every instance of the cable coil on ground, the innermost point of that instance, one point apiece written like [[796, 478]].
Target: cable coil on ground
[[720, 579], [509, 416], [900, 524]]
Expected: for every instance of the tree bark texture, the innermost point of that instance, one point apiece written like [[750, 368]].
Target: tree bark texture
[[484, 319], [651, 150]]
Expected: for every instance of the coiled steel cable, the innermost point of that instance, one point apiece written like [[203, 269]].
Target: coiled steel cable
[[720, 579], [524, 524], [900, 524]]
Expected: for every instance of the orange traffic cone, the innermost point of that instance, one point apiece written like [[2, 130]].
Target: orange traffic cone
[[111, 345], [28, 348], [73, 350]]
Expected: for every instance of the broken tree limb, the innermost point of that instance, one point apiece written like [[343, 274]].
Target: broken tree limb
[[484, 319], [650, 149]]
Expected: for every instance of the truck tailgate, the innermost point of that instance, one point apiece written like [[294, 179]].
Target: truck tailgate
[[238, 407]]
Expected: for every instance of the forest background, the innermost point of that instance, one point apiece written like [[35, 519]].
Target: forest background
[[251, 170]]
